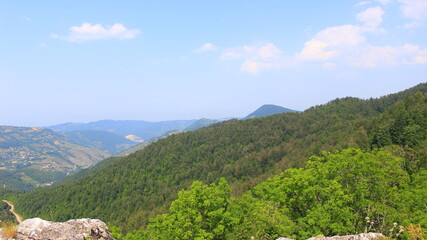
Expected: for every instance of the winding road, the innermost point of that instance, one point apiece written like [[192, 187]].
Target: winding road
[[12, 210]]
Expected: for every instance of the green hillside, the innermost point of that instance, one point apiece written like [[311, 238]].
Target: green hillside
[[43, 149], [37, 157], [102, 140], [131, 189], [342, 193], [204, 122]]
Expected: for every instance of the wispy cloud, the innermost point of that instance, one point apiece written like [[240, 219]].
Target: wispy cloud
[[256, 58], [347, 44], [91, 32], [384, 2], [206, 48], [416, 10], [371, 17], [362, 3], [332, 47]]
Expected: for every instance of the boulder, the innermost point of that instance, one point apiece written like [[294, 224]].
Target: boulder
[[76, 229], [362, 236]]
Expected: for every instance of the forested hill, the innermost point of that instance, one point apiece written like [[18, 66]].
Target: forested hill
[[130, 190], [268, 110]]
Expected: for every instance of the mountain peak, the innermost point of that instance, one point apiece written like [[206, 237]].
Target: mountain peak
[[267, 110]]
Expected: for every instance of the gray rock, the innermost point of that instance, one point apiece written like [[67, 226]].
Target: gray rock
[[362, 236], [76, 229]]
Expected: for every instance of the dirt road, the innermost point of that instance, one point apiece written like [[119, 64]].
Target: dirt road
[[12, 210]]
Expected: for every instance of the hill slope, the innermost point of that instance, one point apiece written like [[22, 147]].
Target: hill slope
[[102, 140], [268, 110], [204, 122], [130, 190], [32, 157]]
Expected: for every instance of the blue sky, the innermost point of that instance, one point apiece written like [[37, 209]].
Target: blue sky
[[81, 61]]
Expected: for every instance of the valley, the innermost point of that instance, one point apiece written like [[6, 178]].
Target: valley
[[39, 157]]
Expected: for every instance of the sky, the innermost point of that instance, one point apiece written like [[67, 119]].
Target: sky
[[82, 61]]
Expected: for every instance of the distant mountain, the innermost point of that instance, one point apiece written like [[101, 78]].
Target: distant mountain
[[267, 110], [38, 156], [102, 140], [142, 129], [204, 122]]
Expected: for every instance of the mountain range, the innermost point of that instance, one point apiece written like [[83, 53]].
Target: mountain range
[[32, 157], [142, 129], [130, 190]]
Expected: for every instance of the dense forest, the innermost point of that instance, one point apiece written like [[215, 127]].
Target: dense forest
[[333, 193], [346, 192]]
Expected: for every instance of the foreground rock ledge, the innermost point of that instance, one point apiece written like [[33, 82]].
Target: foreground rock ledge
[[76, 229], [362, 236]]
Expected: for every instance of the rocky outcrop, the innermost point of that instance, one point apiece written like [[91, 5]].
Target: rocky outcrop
[[76, 229], [362, 236]]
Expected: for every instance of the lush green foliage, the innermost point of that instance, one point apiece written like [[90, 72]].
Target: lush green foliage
[[200, 213], [335, 193], [85, 172], [132, 189]]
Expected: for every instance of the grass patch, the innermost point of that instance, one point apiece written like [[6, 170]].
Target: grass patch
[[9, 229]]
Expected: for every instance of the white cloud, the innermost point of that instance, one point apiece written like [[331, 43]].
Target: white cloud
[[416, 10], [332, 47], [256, 58], [420, 60], [253, 67], [371, 17], [330, 42], [347, 45], [373, 56], [362, 3], [206, 48], [88, 32], [384, 2], [329, 65], [315, 50]]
